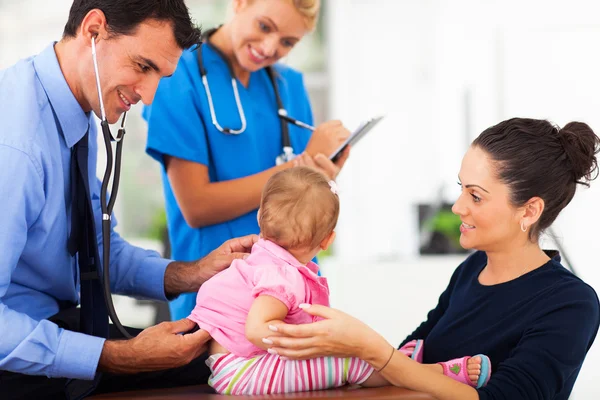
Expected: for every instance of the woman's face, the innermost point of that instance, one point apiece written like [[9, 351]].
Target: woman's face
[[489, 221], [263, 31]]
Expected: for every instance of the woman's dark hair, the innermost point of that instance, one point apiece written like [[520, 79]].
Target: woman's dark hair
[[124, 16], [537, 159]]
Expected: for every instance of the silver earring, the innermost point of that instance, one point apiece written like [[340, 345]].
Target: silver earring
[[523, 227]]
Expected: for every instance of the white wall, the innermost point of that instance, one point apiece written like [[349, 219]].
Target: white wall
[[384, 73], [418, 62], [28, 26]]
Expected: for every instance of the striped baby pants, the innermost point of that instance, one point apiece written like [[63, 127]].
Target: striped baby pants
[[267, 373]]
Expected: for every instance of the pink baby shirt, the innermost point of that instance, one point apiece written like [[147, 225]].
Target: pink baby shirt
[[223, 302]]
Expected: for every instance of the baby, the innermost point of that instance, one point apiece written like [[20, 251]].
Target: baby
[[298, 213]]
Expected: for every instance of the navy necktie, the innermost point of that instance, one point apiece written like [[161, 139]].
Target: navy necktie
[[82, 240]]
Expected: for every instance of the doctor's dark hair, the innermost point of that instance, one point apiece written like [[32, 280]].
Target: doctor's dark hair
[[538, 159], [124, 16], [298, 209]]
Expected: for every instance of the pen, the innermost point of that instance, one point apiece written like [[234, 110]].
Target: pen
[[283, 114]]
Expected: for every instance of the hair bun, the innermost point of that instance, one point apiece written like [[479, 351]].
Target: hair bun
[[581, 145]]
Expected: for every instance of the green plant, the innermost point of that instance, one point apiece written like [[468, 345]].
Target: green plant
[[447, 223], [158, 224]]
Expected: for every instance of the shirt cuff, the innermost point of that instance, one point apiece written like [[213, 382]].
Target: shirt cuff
[[77, 356], [150, 278]]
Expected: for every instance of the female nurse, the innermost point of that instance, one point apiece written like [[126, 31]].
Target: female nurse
[[215, 127]]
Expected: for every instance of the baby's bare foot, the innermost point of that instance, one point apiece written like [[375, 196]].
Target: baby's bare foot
[[474, 369]]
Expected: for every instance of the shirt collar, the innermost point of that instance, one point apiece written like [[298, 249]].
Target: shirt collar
[[285, 255], [553, 254], [74, 122]]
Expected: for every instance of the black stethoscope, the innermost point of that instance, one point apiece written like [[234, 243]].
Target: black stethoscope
[[287, 150], [107, 208]]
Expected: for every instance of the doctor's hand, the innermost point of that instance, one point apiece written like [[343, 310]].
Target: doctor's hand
[[322, 163], [222, 257], [326, 138], [183, 277], [156, 348]]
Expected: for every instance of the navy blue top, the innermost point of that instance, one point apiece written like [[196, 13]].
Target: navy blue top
[[536, 329]]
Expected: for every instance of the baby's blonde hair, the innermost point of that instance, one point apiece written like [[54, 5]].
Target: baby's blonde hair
[[298, 209]]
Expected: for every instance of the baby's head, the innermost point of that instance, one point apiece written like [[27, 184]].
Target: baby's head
[[299, 210]]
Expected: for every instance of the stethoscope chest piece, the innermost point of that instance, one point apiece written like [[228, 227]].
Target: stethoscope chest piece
[[287, 155]]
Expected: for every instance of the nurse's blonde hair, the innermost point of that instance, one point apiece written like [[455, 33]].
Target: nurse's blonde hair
[[309, 9], [298, 209]]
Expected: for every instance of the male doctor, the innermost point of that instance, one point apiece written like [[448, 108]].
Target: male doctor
[[49, 348]]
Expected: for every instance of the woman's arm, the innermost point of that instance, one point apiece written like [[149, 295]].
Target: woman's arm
[[403, 372], [547, 358], [341, 335], [204, 203], [265, 311]]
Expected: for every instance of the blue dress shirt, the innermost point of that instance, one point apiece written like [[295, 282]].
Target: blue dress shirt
[[40, 120]]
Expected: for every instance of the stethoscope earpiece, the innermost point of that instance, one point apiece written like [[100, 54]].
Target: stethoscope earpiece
[[97, 74]]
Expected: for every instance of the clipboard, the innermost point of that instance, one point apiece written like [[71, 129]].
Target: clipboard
[[355, 137]]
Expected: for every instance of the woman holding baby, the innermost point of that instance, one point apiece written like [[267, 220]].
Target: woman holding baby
[[510, 299]]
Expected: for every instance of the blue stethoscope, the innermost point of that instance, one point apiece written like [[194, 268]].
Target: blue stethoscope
[[287, 151]]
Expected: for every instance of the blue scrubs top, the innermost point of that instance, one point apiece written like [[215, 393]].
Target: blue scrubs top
[[180, 125]]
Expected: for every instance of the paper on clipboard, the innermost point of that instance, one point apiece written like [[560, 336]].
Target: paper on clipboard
[[355, 137]]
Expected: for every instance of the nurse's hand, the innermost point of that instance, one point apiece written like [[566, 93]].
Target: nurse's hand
[[322, 163], [326, 138]]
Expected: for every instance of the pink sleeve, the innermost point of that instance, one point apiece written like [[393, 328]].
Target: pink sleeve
[[286, 284]]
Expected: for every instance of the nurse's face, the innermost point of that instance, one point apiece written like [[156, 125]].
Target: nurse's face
[[490, 221], [130, 67], [263, 31]]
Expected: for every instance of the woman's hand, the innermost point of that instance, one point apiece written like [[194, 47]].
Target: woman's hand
[[322, 163], [338, 335], [326, 138]]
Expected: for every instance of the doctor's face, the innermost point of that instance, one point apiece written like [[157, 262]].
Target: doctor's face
[[489, 221], [130, 67], [263, 31]]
